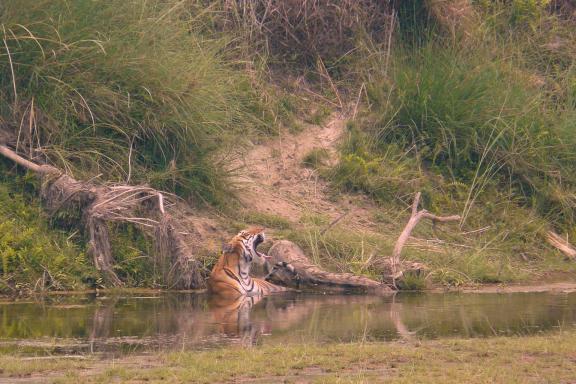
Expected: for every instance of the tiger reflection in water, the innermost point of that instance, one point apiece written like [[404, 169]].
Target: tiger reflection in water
[[235, 295], [234, 318], [248, 318]]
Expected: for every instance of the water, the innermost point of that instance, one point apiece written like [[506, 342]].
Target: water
[[90, 324]]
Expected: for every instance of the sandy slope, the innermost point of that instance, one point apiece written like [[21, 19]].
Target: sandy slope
[[273, 180]]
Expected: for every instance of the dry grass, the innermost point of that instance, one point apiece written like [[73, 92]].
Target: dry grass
[[308, 30]]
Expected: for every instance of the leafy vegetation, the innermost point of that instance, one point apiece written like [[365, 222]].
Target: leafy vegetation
[[474, 121], [34, 256], [483, 125], [316, 158]]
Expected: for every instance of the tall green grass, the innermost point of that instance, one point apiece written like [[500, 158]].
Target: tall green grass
[[501, 243], [135, 91], [475, 114], [484, 126]]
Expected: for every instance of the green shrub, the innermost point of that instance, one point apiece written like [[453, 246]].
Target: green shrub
[[133, 256], [264, 219], [316, 158], [412, 282], [341, 250], [381, 174], [528, 11], [34, 256]]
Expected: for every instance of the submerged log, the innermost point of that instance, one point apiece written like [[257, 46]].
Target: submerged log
[[290, 267]]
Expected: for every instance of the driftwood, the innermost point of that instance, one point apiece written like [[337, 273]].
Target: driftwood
[[561, 244], [289, 266], [415, 217], [104, 204]]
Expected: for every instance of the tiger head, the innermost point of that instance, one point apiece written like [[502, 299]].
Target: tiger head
[[246, 243]]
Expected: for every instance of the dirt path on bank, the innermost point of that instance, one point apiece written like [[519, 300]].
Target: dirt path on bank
[[274, 181]]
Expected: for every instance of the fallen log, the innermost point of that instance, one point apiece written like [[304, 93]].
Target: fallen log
[[561, 244], [103, 204], [290, 267]]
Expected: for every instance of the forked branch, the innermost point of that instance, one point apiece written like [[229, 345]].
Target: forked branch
[[415, 218]]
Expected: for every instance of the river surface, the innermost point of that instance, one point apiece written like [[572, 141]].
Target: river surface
[[150, 322]]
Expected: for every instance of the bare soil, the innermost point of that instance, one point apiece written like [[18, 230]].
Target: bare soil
[[274, 180], [564, 287]]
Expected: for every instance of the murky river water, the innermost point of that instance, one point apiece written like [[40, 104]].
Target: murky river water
[[87, 324]]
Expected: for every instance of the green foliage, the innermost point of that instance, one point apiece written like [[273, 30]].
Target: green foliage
[[132, 253], [318, 116], [35, 257], [264, 219], [383, 175], [341, 250], [508, 248], [138, 91], [415, 23], [472, 116], [412, 282], [314, 219], [528, 11], [40, 252]]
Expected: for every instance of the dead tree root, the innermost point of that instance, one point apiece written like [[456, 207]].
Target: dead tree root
[[101, 205]]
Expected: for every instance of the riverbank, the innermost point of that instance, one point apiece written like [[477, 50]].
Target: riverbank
[[536, 359], [552, 287]]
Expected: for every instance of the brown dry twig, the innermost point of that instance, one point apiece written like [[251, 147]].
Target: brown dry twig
[[415, 218]]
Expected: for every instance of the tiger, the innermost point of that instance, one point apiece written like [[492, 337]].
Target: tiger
[[231, 275]]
